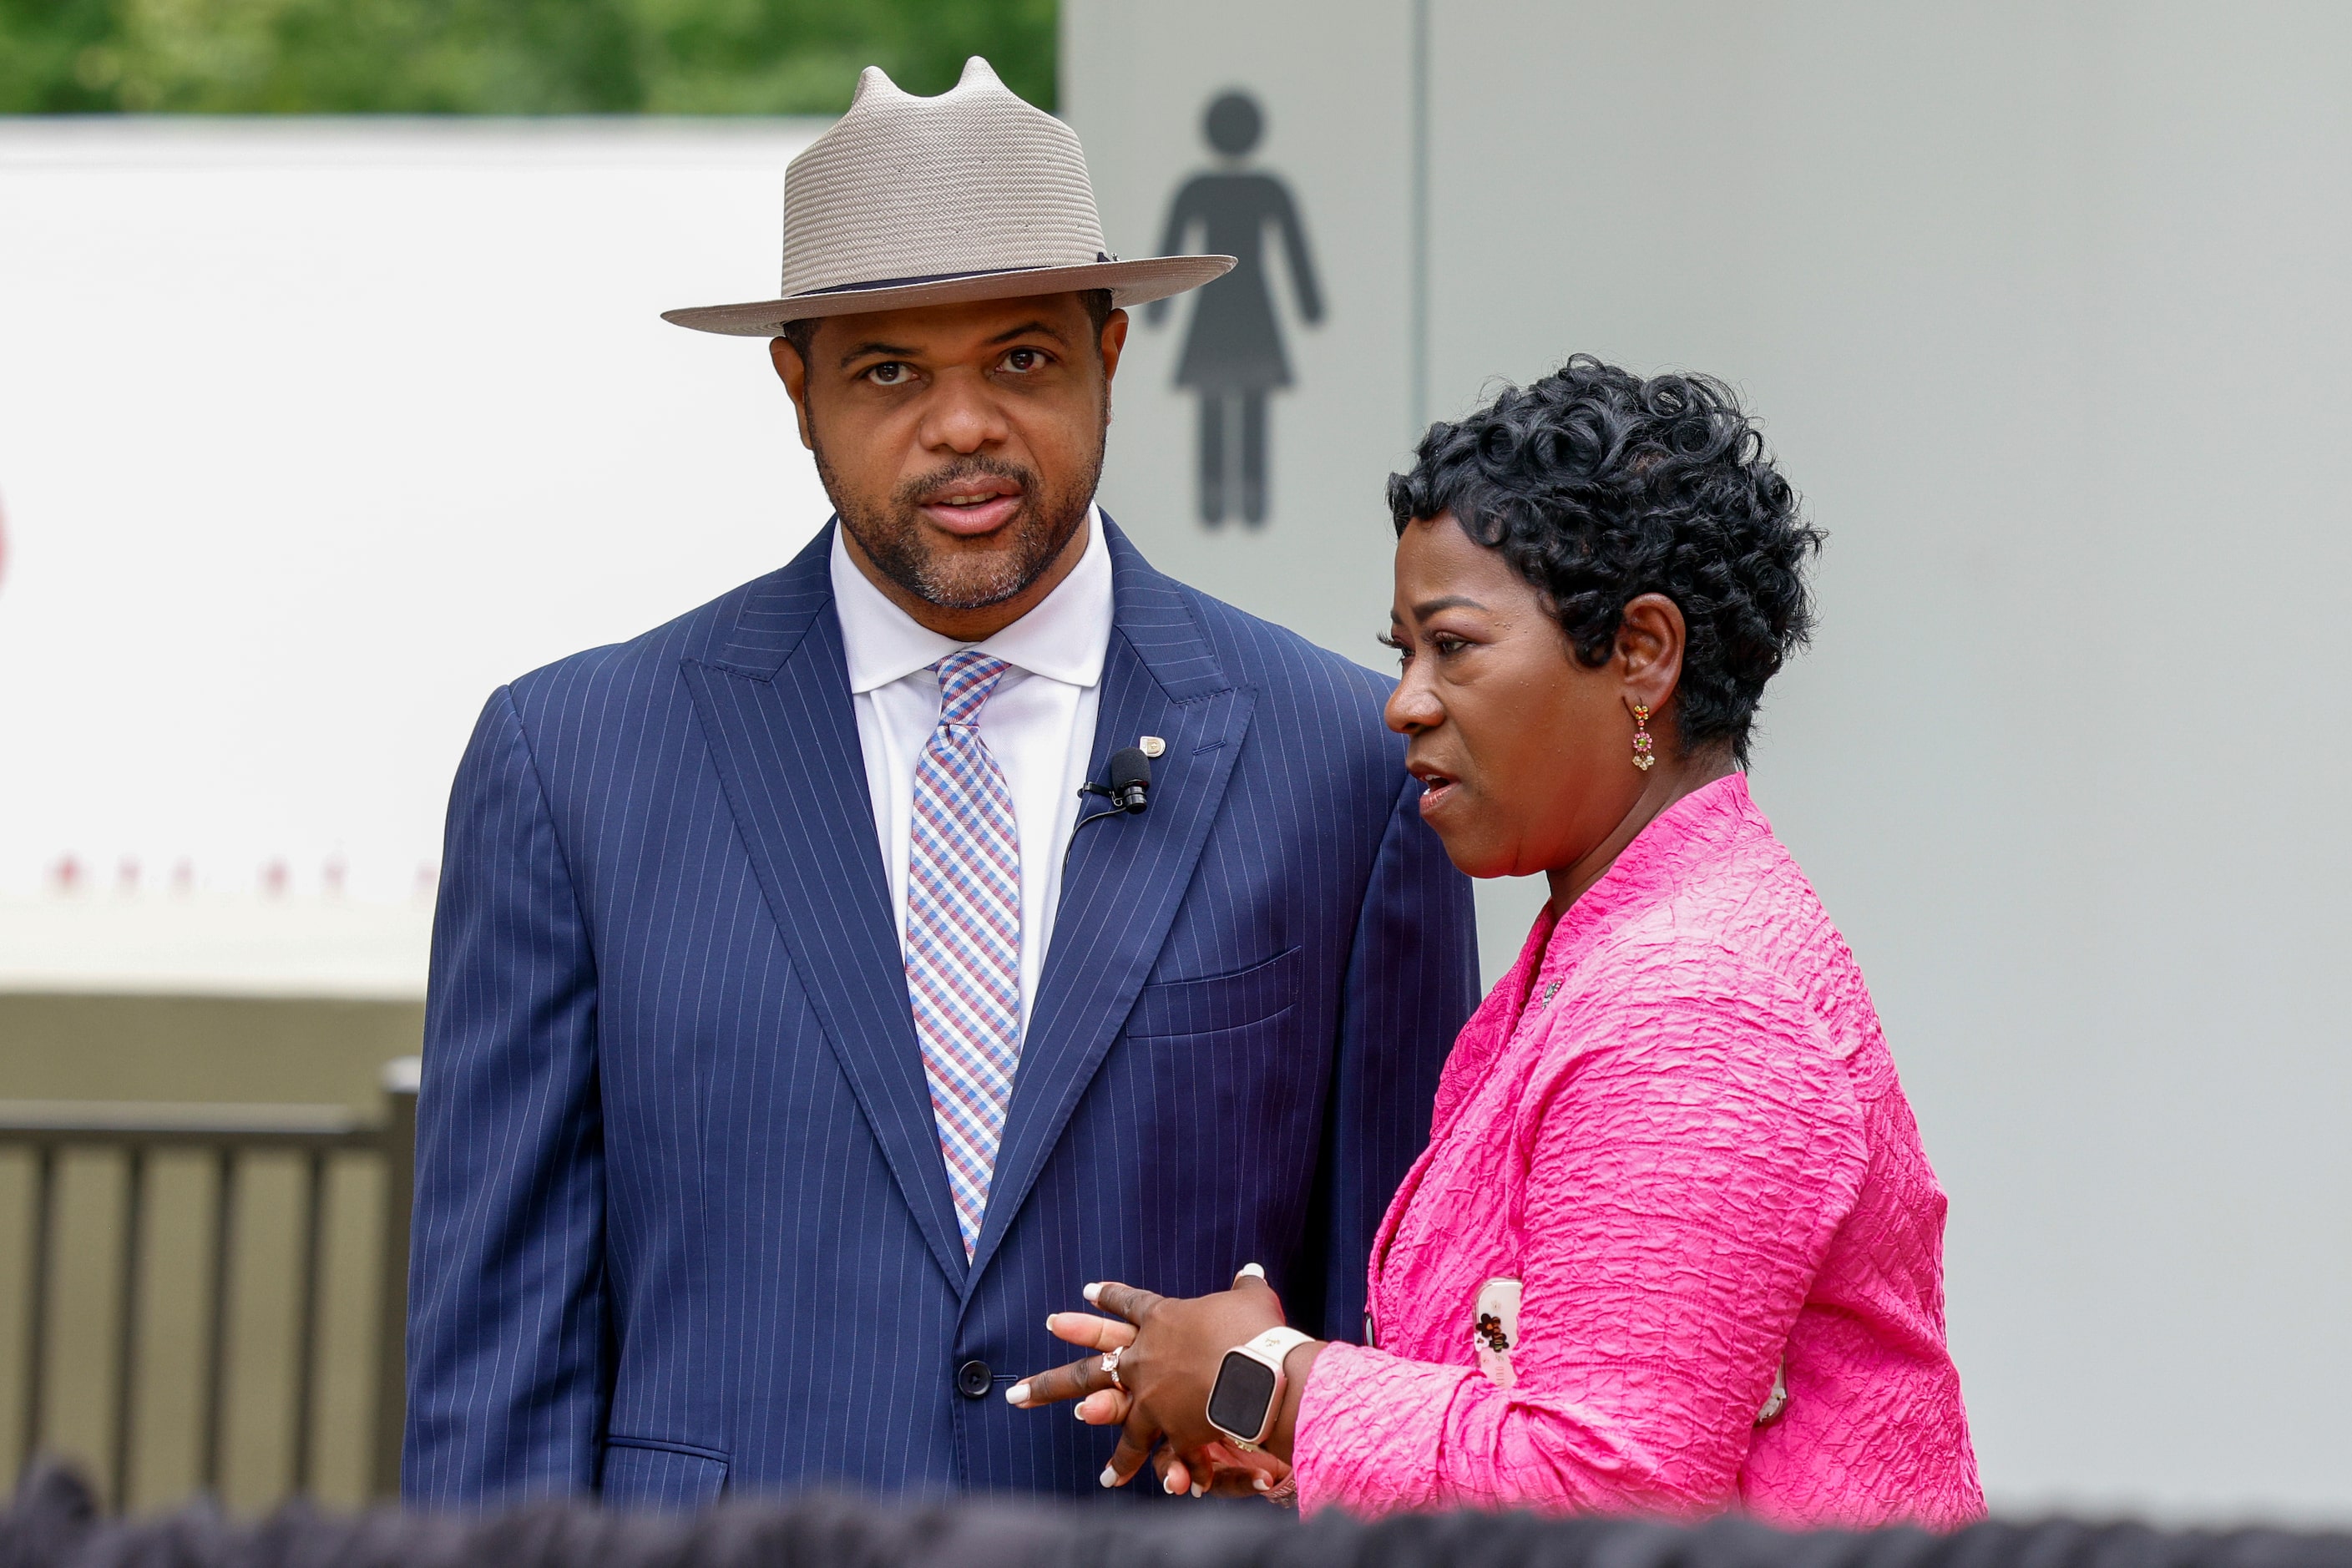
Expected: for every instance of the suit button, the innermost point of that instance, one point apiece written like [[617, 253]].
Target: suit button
[[973, 1379]]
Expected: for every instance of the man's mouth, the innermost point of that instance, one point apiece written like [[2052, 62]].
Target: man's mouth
[[974, 506]]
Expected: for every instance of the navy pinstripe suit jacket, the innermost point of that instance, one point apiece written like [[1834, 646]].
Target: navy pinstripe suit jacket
[[682, 1220]]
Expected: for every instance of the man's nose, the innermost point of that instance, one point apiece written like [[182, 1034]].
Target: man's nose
[[963, 416]]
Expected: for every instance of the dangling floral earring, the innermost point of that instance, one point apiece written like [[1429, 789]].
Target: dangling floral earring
[[1641, 757]]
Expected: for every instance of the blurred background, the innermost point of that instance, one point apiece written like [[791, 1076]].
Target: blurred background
[[333, 393]]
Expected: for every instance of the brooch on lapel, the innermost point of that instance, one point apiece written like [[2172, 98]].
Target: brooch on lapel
[[1494, 1328]]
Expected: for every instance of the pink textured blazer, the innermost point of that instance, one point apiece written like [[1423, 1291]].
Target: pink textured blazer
[[1673, 1171]]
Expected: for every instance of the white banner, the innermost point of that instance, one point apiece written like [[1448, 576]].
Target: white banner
[[311, 434]]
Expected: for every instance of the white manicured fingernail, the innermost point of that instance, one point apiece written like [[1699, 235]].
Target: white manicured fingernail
[[1079, 1410], [1169, 1486], [1199, 1490], [1262, 1484], [1255, 1270], [1017, 1394], [1090, 1292], [1109, 1477]]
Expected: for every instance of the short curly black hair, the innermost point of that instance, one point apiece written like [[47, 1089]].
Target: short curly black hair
[[1599, 486]]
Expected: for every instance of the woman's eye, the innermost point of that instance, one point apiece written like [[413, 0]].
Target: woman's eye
[[1446, 644]]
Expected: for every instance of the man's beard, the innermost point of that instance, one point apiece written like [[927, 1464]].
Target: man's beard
[[894, 533]]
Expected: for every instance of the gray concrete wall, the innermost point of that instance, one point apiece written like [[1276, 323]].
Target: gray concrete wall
[[2045, 310]]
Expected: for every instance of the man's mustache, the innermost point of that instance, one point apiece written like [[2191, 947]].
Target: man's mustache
[[911, 492]]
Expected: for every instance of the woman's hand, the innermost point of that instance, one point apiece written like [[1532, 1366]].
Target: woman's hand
[[1230, 1474], [1169, 1351]]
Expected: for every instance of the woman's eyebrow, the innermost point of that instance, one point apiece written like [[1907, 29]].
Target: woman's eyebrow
[[1429, 608]]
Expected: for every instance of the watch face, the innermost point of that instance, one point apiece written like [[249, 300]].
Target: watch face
[[1243, 1397]]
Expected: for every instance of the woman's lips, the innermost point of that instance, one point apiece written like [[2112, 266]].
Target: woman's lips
[[971, 518]]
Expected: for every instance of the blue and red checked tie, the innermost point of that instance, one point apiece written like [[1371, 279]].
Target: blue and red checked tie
[[963, 933]]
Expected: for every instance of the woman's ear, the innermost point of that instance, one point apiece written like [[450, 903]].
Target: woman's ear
[[1650, 641]]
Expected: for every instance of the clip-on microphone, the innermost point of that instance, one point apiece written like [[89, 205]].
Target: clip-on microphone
[[1129, 790]]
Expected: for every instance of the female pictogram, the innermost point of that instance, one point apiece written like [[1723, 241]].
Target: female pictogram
[[1232, 349]]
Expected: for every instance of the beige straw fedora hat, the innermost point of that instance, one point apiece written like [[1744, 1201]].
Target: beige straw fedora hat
[[973, 194]]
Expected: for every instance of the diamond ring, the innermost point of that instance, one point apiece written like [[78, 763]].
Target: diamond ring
[[1110, 1366]]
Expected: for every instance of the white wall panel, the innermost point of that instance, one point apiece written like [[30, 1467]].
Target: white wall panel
[[2043, 308]]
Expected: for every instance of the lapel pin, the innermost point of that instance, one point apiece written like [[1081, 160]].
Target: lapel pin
[[1152, 745]]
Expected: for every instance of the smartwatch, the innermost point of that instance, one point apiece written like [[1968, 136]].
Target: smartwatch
[[1248, 1395]]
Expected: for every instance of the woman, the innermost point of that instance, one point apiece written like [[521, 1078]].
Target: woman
[[1673, 1247]]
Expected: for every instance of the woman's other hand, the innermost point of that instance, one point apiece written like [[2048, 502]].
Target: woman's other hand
[[1169, 1351]]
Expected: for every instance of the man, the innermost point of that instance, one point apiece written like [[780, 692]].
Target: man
[[800, 1036]]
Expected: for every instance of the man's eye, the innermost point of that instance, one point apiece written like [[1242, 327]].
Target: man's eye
[[889, 373], [1024, 360]]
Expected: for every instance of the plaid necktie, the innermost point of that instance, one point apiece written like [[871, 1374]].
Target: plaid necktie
[[963, 933]]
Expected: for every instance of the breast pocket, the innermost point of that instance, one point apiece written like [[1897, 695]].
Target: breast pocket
[[1216, 1002]]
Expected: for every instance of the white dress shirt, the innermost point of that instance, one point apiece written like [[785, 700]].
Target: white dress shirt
[[1039, 724]]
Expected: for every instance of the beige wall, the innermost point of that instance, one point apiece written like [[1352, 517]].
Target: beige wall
[[278, 1049]]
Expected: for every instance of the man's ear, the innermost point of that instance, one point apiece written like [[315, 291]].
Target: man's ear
[[794, 371], [1113, 343], [1650, 637]]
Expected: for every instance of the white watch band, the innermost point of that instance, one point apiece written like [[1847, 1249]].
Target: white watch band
[[1274, 1345]]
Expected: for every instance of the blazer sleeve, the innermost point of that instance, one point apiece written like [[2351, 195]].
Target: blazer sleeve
[[1412, 980], [1687, 1169], [507, 1358]]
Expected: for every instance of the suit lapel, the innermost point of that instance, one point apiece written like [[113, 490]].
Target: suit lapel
[[1125, 876], [774, 703]]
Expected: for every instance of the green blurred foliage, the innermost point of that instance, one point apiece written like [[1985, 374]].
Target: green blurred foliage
[[503, 57]]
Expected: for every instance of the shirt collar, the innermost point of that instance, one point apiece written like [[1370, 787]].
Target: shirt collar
[[1064, 638]]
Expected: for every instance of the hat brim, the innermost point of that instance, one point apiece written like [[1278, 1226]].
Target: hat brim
[[1130, 283]]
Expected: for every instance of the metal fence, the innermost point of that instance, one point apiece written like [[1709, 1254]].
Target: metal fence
[[227, 1141]]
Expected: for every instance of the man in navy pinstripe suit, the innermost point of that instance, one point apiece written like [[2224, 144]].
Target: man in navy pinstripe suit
[[800, 1035]]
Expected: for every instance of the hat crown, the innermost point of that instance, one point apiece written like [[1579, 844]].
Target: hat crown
[[975, 179]]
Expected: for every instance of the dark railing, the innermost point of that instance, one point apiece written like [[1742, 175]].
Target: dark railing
[[316, 1137]]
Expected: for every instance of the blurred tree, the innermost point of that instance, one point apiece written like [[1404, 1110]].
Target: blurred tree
[[502, 56]]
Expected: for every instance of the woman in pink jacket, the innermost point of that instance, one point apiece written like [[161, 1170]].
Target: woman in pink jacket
[[1674, 1248]]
